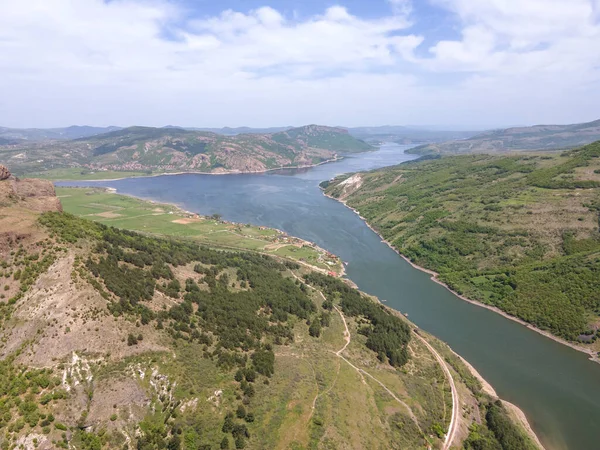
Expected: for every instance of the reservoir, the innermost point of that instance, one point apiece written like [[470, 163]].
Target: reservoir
[[556, 386]]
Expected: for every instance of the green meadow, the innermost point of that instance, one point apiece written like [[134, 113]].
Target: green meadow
[[130, 213]]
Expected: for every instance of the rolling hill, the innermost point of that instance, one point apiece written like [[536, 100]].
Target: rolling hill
[[171, 149], [539, 137]]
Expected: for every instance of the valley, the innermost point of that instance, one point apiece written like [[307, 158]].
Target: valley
[[524, 367], [116, 339]]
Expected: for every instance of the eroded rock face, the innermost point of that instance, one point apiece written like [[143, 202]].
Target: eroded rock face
[[4, 172], [36, 195]]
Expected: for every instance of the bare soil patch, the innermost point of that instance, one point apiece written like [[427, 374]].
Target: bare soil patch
[[186, 221], [109, 215]]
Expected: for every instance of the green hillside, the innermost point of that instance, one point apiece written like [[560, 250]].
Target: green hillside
[[538, 137], [335, 139], [149, 150], [518, 232]]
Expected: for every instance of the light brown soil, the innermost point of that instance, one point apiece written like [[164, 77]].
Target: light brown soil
[[186, 221], [123, 397], [108, 215], [60, 317]]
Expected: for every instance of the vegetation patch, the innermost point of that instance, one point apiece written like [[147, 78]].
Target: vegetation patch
[[516, 232]]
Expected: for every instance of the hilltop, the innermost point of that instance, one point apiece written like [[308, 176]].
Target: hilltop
[[114, 339], [519, 233], [27, 195], [146, 150], [539, 137]]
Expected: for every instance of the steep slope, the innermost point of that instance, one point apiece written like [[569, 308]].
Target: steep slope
[[111, 339], [147, 149], [539, 137], [519, 233], [32, 195]]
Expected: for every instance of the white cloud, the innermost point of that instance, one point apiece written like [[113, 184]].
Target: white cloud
[[143, 62], [517, 35], [402, 7], [263, 40]]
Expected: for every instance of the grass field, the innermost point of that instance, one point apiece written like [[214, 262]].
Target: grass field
[[73, 174], [130, 213]]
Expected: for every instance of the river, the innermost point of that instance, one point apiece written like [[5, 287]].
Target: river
[[557, 387]]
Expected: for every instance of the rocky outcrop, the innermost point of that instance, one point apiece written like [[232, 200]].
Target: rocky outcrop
[[36, 195], [4, 173]]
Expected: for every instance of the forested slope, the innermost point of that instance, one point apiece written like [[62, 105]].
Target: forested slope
[[516, 232]]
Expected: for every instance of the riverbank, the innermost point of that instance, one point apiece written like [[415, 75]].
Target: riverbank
[[105, 205], [593, 355], [516, 413], [524, 367], [225, 172]]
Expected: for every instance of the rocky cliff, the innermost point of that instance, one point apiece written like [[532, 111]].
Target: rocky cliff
[[33, 194]]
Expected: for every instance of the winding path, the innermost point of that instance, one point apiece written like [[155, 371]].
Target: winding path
[[452, 428], [361, 372], [451, 434]]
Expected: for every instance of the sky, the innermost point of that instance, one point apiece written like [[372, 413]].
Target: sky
[[205, 63]]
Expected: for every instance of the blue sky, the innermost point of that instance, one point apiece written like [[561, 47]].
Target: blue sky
[[466, 63]]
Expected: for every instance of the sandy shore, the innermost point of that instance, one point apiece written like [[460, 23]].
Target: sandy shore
[[593, 355], [516, 413], [230, 172], [513, 409]]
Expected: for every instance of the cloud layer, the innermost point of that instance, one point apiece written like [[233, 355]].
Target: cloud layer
[[153, 62]]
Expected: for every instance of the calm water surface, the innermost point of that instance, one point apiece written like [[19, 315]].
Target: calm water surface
[[557, 387]]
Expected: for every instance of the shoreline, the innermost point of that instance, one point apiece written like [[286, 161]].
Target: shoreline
[[593, 355], [517, 413], [180, 210], [253, 172]]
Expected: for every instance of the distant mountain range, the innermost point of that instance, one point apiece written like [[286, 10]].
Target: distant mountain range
[[244, 149], [228, 131], [14, 135], [399, 134], [406, 135], [172, 149], [538, 137]]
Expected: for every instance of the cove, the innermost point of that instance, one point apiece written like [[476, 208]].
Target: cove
[[556, 386]]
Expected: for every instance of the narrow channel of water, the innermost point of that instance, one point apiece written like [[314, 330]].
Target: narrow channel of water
[[556, 386]]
